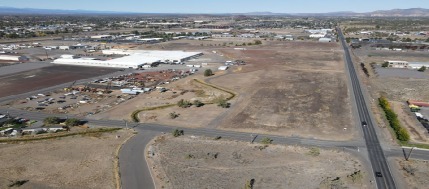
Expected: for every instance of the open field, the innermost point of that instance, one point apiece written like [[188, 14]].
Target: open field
[[177, 162], [22, 82], [294, 88], [71, 162], [414, 173]]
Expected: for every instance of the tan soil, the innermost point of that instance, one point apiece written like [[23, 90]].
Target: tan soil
[[70, 162], [194, 162]]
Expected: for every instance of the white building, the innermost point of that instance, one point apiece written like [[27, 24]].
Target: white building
[[14, 58], [318, 35], [223, 68], [397, 64], [102, 37], [325, 39], [133, 59]]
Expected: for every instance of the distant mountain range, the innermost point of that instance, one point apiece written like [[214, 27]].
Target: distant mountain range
[[12, 10], [412, 12]]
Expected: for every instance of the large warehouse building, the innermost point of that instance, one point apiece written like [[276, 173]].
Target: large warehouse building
[[132, 58]]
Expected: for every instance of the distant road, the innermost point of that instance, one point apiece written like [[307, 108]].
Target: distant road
[[375, 152], [22, 67]]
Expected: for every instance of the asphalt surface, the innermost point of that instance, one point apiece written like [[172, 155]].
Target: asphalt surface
[[16, 68], [132, 163], [375, 152]]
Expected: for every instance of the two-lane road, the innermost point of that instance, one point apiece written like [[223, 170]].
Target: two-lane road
[[375, 152]]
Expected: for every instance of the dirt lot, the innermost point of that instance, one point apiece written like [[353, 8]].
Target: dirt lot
[[178, 161], [45, 77], [415, 173], [292, 88], [70, 162]]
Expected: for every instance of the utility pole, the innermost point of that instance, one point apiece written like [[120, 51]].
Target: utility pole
[[409, 154]]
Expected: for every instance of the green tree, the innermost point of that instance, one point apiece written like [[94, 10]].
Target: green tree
[[422, 69], [385, 65], [208, 72], [51, 120], [72, 122]]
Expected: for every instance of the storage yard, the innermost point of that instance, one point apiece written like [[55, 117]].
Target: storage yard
[[99, 95], [176, 162]]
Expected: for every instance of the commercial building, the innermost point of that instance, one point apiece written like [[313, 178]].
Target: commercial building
[[325, 39], [163, 56], [102, 37], [14, 58], [132, 59], [405, 64]]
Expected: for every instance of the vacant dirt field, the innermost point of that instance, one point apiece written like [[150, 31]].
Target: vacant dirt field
[[45, 77], [177, 162], [415, 173], [296, 88], [70, 162]]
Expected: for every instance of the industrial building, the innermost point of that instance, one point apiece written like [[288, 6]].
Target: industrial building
[[163, 56], [132, 59], [325, 39], [405, 64], [14, 58]]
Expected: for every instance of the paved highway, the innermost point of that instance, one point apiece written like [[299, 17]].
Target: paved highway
[[375, 152]]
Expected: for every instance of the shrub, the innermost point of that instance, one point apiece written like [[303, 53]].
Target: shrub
[[51, 120], [266, 140], [385, 65], [422, 69], [184, 103], [258, 42], [177, 133], [221, 102], [314, 152], [198, 103], [72, 122], [364, 69], [174, 115], [208, 72]]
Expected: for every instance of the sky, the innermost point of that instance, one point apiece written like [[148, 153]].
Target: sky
[[219, 6]]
